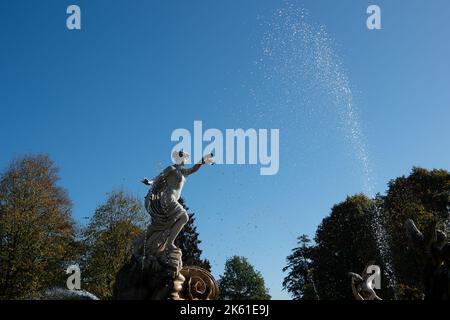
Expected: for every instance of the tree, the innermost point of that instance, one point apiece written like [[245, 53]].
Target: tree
[[299, 281], [36, 228], [108, 241], [188, 242], [423, 196], [241, 281], [345, 242]]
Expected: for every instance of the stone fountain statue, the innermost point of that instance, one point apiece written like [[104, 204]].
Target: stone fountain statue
[[156, 270], [433, 244]]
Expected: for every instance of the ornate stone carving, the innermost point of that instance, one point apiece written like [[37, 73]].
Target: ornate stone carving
[[199, 285]]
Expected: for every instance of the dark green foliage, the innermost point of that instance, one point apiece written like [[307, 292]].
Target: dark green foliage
[[424, 197], [241, 281], [299, 281], [345, 240], [188, 242]]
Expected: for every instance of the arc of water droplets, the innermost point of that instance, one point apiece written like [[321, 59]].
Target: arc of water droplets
[[301, 53]]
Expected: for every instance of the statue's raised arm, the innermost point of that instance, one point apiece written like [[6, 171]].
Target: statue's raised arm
[[208, 159]]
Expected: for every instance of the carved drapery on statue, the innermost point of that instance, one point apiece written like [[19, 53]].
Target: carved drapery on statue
[[164, 212]]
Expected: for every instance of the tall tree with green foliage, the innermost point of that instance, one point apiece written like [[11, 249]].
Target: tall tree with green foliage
[[423, 196], [37, 232], [188, 241], [345, 241], [108, 241], [300, 278], [241, 281]]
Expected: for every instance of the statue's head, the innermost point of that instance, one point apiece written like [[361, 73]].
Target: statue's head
[[180, 157]]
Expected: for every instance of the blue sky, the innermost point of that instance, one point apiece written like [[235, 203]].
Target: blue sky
[[103, 101]]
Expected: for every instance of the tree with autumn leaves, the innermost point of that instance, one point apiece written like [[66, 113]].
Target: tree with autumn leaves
[[108, 239], [37, 232]]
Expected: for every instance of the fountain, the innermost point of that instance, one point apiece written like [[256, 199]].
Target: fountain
[[302, 54]]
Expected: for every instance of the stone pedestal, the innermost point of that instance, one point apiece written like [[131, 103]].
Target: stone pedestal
[[163, 278]]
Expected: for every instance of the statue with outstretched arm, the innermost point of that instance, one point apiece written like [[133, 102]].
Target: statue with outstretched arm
[[155, 270], [162, 200]]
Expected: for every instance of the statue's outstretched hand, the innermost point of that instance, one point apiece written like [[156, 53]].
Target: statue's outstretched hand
[[208, 159], [147, 182]]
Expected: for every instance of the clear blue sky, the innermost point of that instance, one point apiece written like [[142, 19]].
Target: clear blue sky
[[102, 102]]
